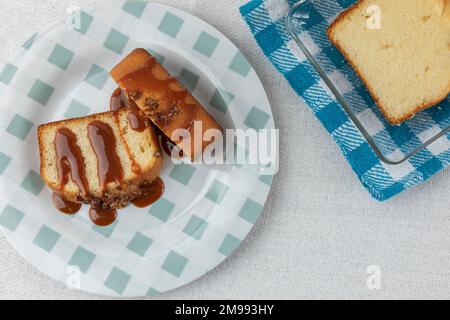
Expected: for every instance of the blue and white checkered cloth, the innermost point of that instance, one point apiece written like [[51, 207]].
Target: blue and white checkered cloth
[[266, 19]]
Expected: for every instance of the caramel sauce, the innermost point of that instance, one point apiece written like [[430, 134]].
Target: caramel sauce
[[168, 145], [70, 161], [168, 98], [63, 205], [119, 100], [151, 193], [102, 217], [135, 167], [138, 121], [103, 142]]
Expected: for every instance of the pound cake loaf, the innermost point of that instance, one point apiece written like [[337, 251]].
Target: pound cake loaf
[[162, 98], [103, 159], [405, 64]]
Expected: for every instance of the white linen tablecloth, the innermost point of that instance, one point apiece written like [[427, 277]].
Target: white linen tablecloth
[[320, 235]]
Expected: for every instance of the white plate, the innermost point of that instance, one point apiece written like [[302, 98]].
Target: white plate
[[205, 212]]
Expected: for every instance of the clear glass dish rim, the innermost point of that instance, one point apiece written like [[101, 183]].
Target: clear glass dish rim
[[342, 101]]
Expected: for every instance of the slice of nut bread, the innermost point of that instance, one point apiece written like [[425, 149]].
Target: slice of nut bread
[[162, 98], [137, 152]]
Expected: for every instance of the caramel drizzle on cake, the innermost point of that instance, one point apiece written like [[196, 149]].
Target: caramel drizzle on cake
[[137, 120], [70, 161], [168, 104], [171, 98], [71, 167], [63, 205], [103, 142]]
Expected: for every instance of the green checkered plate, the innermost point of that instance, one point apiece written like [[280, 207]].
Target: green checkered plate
[[205, 212]]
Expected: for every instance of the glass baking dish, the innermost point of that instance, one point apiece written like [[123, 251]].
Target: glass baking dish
[[392, 144]]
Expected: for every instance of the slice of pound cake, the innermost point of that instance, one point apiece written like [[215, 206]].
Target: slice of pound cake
[[163, 99], [105, 159], [401, 51]]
